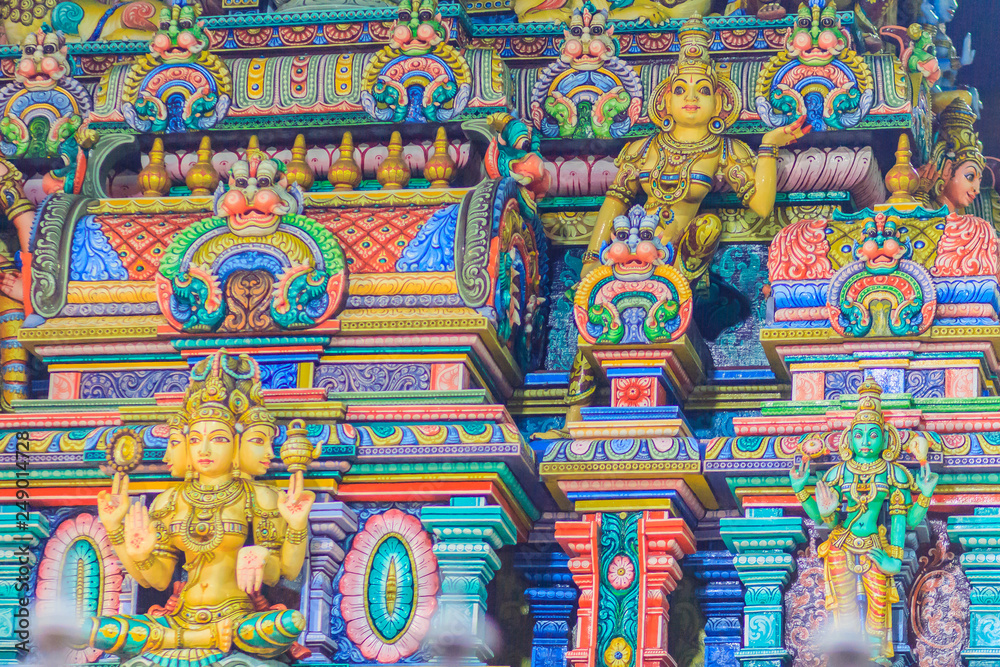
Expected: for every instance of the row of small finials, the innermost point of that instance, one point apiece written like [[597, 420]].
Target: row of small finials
[[345, 173]]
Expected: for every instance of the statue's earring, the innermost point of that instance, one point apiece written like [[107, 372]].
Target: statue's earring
[[668, 123], [716, 125]]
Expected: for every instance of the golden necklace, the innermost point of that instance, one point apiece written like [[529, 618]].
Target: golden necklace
[[203, 528], [681, 158]]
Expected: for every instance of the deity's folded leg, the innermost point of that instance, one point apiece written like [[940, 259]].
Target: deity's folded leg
[[125, 635], [268, 633]]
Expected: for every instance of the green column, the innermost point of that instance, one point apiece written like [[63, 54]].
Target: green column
[[16, 564], [979, 535], [467, 534], [763, 542]]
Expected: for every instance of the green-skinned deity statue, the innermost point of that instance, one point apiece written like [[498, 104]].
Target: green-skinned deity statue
[[864, 551]]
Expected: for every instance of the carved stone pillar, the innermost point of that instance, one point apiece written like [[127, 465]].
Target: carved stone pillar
[[721, 598], [625, 565], [329, 523], [467, 534], [16, 564], [551, 596], [763, 542]]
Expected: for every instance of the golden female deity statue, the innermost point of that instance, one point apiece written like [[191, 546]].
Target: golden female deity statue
[[862, 554], [677, 167], [233, 534], [954, 172]]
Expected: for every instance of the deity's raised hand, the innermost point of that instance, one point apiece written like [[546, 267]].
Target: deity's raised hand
[[799, 474], [926, 481], [294, 505], [112, 506], [140, 533], [782, 136], [827, 499]]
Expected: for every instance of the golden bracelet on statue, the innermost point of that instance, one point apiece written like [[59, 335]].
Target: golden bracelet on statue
[[117, 536]]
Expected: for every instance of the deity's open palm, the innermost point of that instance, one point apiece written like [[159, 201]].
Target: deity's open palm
[[140, 534], [827, 499], [294, 505], [112, 506]]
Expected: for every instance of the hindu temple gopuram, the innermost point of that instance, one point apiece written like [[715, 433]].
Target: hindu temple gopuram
[[524, 333]]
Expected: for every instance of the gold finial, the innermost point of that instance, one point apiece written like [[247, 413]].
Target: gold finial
[[202, 178], [154, 179], [297, 169], [902, 179], [345, 173], [394, 173], [440, 168]]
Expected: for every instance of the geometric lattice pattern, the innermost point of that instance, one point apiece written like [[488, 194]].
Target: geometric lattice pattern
[[140, 240], [373, 238]]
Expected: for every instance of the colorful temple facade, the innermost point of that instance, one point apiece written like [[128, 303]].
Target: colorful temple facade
[[650, 333]]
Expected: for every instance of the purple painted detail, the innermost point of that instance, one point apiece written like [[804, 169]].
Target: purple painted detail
[[842, 382], [132, 384], [373, 377]]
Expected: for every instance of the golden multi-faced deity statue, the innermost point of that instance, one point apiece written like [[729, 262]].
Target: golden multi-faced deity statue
[[232, 534]]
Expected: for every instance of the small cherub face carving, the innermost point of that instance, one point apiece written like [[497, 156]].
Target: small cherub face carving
[[44, 61], [816, 38], [258, 197], [181, 37], [587, 44]]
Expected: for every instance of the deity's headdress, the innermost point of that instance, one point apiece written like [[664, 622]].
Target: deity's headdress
[[694, 58], [958, 136], [869, 404], [957, 141], [213, 394], [869, 411]]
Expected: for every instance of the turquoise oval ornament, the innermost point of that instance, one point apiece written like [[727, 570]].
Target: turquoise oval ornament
[[391, 588]]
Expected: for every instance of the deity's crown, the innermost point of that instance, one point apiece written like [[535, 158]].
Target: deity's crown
[[694, 40], [958, 134], [213, 395], [869, 404]]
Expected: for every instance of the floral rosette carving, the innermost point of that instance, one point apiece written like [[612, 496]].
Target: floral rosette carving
[[389, 587]]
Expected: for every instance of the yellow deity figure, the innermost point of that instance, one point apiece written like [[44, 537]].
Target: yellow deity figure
[[234, 535], [862, 554], [953, 174], [677, 166]]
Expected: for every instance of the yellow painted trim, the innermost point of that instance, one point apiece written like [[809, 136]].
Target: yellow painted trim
[[136, 291]]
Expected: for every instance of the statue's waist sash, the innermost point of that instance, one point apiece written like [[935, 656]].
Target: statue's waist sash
[[191, 617], [842, 539]]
